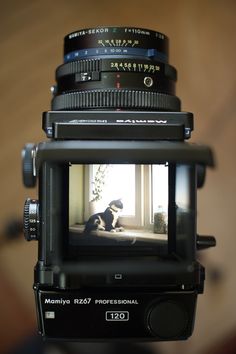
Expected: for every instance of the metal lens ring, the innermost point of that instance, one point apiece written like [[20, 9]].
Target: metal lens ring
[[116, 99], [103, 80], [116, 73], [118, 65], [116, 68]]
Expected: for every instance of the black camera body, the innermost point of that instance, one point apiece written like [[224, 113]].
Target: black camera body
[[129, 270]]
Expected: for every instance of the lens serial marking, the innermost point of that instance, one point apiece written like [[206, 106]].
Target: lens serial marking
[[117, 315]]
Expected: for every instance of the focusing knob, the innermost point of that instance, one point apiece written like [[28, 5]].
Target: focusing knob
[[28, 160], [31, 219]]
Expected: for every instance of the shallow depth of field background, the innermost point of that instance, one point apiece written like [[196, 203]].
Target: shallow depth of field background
[[203, 49]]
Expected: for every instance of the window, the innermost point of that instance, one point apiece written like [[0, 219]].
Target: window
[[143, 190], [112, 182], [159, 185]]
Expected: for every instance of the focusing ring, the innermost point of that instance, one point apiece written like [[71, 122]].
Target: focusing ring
[[122, 99]]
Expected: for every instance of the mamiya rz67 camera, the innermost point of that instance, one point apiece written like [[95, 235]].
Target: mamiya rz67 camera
[[115, 217]]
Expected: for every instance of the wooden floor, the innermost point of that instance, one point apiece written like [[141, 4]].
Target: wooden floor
[[202, 48]]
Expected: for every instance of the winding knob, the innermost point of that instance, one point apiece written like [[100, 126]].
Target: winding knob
[[31, 219]]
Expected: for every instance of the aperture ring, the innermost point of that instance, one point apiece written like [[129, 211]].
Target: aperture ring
[[124, 99], [109, 81], [116, 65]]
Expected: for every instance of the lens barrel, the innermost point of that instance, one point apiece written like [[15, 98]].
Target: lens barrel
[[116, 68], [115, 41]]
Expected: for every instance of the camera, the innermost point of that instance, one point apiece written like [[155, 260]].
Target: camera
[[115, 218]]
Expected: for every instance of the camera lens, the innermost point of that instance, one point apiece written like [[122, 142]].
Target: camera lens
[[116, 68]]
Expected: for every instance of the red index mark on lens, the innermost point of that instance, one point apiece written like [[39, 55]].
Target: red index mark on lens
[[118, 83]]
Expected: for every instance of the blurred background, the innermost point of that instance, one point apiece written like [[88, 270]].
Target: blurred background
[[203, 49]]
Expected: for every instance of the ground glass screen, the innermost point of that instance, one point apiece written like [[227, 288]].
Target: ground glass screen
[[118, 204]]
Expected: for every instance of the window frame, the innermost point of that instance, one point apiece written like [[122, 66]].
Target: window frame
[[143, 217]]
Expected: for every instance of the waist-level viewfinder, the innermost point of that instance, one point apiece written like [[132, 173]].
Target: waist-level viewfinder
[[115, 217]]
